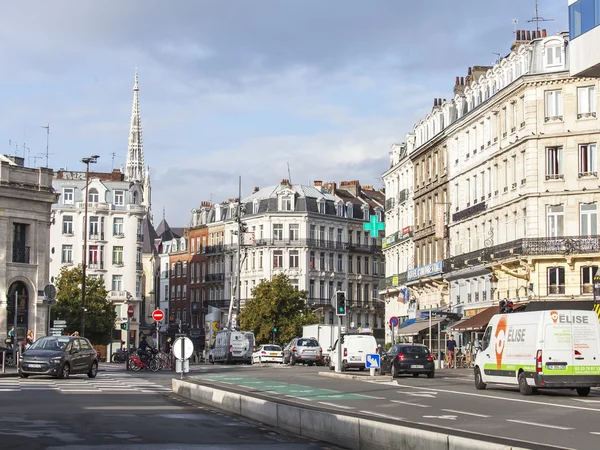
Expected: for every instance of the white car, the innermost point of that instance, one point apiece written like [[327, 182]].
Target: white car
[[268, 353]]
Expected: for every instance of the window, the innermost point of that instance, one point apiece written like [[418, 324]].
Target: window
[[68, 196], [278, 232], [294, 232], [294, 259], [587, 160], [588, 218], [587, 279], [554, 163], [93, 195], [118, 226], [555, 221], [321, 206], [553, 56], [340, 263], [322, 261], [286, 203], [67, 254], [586, 102], [118, 256], [117, 282], [260, 260], [366, 265], [311, 260], [556, 280], [138, 286], [67, 225], [255, 207], [277, 259], [553, 105], [119, 198]]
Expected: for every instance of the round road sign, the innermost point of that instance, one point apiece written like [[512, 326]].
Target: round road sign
[[183, 351], [130, 311], [394, 321], [158, 315]]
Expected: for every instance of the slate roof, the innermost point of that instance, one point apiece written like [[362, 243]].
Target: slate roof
[[150, 236]]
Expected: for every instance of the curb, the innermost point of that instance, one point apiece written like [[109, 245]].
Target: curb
[[349, 430], [346, 376], [9, 375]]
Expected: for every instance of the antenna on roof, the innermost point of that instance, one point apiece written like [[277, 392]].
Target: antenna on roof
[[289, 174], [515, 22], [47, 127], [163, 213], [537, 19], [112, 165]]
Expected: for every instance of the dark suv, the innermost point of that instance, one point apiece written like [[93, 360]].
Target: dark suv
[[408, 358], [303, 350], [59, 356]]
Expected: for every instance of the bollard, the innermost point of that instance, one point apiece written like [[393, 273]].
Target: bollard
[[372, 372], [3, 361]]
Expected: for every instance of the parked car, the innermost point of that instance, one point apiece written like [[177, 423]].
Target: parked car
[[268, 353], [415, 359], [303, 350], [355, 347], [59, 356]]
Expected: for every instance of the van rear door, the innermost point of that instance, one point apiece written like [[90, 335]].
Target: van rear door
[[586, 346], [359, 346], [557, 350], [239, 344]]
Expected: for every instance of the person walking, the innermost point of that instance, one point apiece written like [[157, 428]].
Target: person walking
[[11, 337], [451, 348], [29, 340]]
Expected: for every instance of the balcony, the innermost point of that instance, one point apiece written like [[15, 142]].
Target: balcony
[[95, 206], [20, 254], [97, 265], [96, 236], [223, 303], [214, 278], [211, 249], [469, 212], [390, 203], [118, 295], [403, 196], [318, 302], [136, 208]]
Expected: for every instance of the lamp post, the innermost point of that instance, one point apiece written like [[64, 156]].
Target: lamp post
[[87, 161]]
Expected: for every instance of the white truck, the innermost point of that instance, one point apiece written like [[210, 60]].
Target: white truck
[[558, 349], [233, 346], [325, 334]]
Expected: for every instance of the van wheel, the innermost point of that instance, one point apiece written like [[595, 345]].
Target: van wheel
[[524, 388], [331, 366], [479, 384], [583, 392]]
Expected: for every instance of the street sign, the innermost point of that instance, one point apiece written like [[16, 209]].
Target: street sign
[[234, 321], [394, 321], [184, 351], [50, 292], [130, 311], [158, 315], [59, 324], [372, 361]]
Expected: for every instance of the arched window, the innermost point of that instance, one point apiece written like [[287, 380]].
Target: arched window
[[135, 197], [93, 195]]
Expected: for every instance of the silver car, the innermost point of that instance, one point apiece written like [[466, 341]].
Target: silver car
[[303, 351]]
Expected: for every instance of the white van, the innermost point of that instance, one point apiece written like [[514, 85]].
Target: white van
[[233, 346], [558, 349], [355, 348]]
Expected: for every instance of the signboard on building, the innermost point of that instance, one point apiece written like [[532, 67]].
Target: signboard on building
[[425, 271], [439, 221], [473, 312], [396, 237]]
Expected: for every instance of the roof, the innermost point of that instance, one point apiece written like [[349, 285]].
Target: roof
[[417, 327], [166, 233], [477, 322], [300, 189], [150, 236], [582, 305]]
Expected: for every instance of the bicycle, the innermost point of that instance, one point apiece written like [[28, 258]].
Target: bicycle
[[144, 360]]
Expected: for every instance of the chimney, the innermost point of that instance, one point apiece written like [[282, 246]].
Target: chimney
[[459, 87], [462, 81], [318, 183], [331, 186], [439, 102], [457, 81], [353, 187], [518, 38], [435, 102], [285, 182], [544, 33], [528, 35], [256, 189]]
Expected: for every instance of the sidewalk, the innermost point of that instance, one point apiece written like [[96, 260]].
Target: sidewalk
[[10, 372]]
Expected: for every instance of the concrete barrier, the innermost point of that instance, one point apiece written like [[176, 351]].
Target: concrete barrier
[[344, 430]]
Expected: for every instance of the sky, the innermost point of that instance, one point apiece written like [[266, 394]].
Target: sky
[[239, 88]]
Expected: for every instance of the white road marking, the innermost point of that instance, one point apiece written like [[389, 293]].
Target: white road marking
[[585, 400], [545, 425], [445, 417], [467, 413], [594, 432], [419, 394], [336, 406], [409, 403], [384, 416], [517, 400], [134, 407]]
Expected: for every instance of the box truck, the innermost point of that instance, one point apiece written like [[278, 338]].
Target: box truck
[[557, 349]]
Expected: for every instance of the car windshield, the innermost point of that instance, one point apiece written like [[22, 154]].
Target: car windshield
[[307, 343], [272, 348], [53, 343], [416, 349]]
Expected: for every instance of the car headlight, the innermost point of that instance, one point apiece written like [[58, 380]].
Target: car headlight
[[55, 360]]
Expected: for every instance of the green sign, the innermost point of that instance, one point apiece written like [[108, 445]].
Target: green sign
[[374, 226]]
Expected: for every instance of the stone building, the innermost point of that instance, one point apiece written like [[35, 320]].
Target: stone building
[[26, 197]]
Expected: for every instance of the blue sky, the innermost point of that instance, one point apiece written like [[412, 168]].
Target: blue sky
[[240, 88]]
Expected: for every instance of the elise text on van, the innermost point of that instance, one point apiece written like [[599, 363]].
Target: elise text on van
[[557, 349]]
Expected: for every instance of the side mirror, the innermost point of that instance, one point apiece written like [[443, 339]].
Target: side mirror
[[329, 349], [74, 351]]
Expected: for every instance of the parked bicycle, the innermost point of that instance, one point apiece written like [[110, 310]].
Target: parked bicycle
[[120, 356]]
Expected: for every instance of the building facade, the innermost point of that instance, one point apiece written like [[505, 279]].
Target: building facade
[[584, 31], [26, 197]]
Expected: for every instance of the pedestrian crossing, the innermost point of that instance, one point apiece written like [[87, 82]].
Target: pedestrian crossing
[[110, 383]]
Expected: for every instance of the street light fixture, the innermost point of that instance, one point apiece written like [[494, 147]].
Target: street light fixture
[[87, 161]]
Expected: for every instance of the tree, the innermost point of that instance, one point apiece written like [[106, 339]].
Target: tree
[[276, 304], [100, 313]]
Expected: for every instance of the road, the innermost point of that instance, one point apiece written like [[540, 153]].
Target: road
[[449, 401], [119, 410]]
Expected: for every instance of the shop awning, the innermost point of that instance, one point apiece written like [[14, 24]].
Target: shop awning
[[476, 323], [407, 323], [417, 327]]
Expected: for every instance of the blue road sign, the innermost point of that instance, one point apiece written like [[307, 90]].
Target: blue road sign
[[372, 361], [394, 321]]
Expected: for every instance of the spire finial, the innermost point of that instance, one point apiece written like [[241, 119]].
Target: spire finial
[[135, 82], [163, 213], [135, 150]]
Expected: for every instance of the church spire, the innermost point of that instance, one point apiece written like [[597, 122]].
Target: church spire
[[134, 169]]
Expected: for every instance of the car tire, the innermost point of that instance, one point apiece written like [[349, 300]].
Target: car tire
[[583, 391], [23, 375], [394, 371], [479, 384], [331, 366], [93, 370], [361, 368], [524, 388], [65, 371], [431, 374]]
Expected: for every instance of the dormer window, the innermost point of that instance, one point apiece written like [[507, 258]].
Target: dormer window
[[286, 203], [119, 198], [349, 211], [366, 213], [321, 205], [553, 56], [93, 195], [340, 209]]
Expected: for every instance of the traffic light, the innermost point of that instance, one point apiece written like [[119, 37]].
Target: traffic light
[[340, 303], [503, 306], [123, 326], [509, 306], [274, 329]]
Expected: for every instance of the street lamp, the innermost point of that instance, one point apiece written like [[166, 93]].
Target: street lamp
[[493, 286], [87, 161]]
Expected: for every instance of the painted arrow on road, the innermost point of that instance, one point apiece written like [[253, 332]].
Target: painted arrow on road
[[440, 417], [419, 394]]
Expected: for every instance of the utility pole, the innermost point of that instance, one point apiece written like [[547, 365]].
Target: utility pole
[[47, 127], [239, 252], [87, 162]]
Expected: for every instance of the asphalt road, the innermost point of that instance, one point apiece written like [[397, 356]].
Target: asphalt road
[[449, 401], [118, 410]]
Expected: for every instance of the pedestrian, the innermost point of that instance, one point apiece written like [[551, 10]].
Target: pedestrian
[[451, 347], [29, 339], [75, 333], [168, 346], [11, 336]]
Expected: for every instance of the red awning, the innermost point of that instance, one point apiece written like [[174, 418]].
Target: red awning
[[477, 322]]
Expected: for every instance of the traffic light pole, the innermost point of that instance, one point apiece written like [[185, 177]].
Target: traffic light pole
[[338, 364]]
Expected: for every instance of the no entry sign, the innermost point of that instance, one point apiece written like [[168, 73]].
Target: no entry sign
[[158, 315], [130, 311]]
